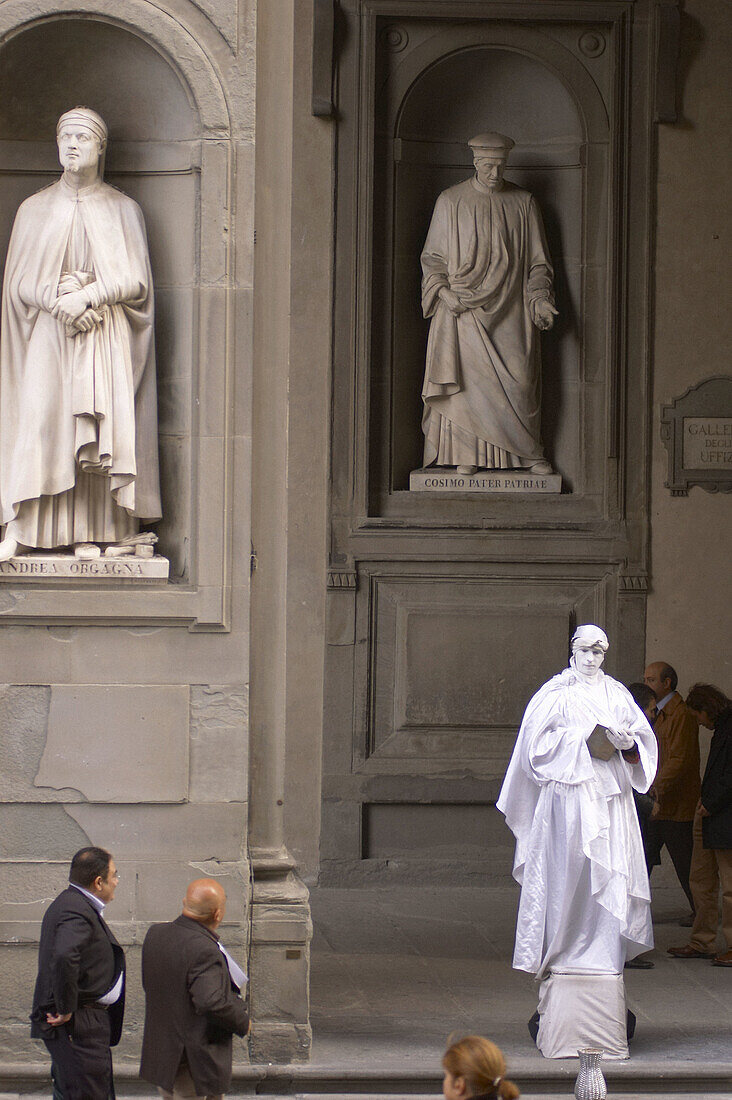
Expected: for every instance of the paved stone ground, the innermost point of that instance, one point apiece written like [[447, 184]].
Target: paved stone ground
[[396, 969], [433, 960]]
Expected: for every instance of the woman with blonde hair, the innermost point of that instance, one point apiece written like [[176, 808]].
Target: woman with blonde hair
[[475, 1070]]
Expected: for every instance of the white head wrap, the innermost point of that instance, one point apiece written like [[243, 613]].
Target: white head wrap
[[585, 637], [84, 116]]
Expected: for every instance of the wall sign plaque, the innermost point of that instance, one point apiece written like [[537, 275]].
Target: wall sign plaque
[[65, 567], [441, 479], [697, 431]]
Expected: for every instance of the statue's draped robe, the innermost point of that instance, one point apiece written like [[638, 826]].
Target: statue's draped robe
[[585, 898], [482, 386], [78, 412]]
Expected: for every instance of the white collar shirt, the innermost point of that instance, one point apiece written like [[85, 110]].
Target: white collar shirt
[[666, 699]]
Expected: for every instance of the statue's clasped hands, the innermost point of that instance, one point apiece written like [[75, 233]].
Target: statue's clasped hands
[[72, 307]]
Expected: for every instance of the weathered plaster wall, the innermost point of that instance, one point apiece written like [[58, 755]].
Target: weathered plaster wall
[[688, 607]]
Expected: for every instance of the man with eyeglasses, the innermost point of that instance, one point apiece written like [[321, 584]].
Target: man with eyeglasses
[[78, 1004]]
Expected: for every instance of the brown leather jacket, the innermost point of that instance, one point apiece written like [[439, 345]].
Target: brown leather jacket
[[677, 784]]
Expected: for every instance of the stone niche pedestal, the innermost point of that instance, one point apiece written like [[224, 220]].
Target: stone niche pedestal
[[65, 567], [444, 479]]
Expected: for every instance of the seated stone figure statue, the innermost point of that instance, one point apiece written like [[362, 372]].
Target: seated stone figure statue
[[78, 405]]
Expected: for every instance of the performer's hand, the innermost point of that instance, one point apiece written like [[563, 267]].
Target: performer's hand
[[451, 300], [620, 739], [703, 811], [55, 1019], [69, 307], [543, 313]]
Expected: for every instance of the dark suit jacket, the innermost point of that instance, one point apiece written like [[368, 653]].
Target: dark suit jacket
[[716, 789], [191, 1007], [78, 962]]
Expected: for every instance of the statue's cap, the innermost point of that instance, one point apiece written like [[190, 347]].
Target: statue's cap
[[491, 143], [587, 636], [84, 116]]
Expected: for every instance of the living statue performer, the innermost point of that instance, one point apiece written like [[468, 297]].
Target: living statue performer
[[78, 404], [582, 748], [487, 285]]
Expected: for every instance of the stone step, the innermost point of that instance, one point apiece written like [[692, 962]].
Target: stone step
[[680, 1091], [683, 1081]]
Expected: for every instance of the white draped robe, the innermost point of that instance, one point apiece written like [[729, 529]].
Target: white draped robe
[[585, 898], [482, 385], [78, 411]]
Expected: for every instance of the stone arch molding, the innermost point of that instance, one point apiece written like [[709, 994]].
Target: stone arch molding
[[540, 47], [168, 35]]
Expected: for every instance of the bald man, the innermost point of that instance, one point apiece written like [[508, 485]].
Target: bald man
[[677, 786], [192, 1002]]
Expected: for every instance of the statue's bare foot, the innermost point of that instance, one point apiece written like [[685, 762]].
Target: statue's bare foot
[[118, 551], [468, 470], [86, 551], [9, 548], [541, 467]]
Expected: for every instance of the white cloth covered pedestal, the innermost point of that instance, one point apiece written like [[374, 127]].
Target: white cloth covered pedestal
[[579, 1010]]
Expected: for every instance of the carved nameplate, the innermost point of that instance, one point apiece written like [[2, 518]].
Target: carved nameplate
[[697, 430], [707, 442], [444, 480], [65, 567]]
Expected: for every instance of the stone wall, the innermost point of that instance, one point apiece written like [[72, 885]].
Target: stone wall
[[448, 609], [124, 719], [691, 576]]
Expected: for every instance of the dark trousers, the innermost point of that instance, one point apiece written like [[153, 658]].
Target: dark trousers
[[81, 1062], [678, 838]]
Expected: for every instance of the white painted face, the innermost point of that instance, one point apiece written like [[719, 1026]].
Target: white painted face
[[489, 170], [588, 659], [79, 148]]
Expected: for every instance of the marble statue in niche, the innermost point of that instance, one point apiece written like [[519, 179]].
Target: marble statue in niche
[[78, 402], [487, 287]]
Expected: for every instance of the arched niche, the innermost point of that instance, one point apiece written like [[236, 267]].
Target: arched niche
[[91, 61], [157, 156], [152, 77], [426, 109]]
